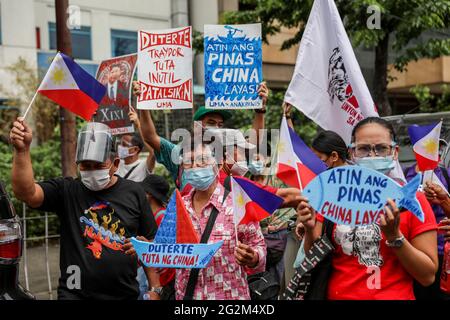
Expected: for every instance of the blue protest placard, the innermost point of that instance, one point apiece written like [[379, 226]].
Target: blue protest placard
[[354, 195], [233, 66], [175, 255]]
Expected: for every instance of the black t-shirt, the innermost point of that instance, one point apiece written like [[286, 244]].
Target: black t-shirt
[[93, 227]]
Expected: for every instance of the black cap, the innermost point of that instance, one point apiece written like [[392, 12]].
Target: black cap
[[156, 186]]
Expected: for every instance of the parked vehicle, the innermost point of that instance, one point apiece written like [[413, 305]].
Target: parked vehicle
[[11, 241]]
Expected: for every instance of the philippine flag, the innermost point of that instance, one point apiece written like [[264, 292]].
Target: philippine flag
[[293, 155], [250, 202], [67, 84], [176, 226], [425, 141]]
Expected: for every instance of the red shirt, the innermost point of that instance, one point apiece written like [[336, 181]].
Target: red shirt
[[362, 247]]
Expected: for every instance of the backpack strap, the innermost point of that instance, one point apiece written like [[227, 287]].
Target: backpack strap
[[193, 275], [130, 171], [227, 183]]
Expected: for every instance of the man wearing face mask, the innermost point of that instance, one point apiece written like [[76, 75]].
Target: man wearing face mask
[[130, 166], [98, 212], [257, 168], [235, 164], [225, 277], [209, 118]]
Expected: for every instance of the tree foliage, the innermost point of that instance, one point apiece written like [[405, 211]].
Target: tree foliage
[[429, 102], [44, 111], [405, 19]]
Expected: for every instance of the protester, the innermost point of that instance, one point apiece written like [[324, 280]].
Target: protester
[[401, 247], [440, 202], [332, 150], [437, 198], [157, 189], [97, 212], [258, 169], [209, 118], [129, 149], [225, 277]]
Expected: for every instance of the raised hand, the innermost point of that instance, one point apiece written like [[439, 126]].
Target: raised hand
[[21, 135]]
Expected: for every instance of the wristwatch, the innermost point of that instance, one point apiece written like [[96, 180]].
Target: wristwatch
[[158, 290], [396, 243]]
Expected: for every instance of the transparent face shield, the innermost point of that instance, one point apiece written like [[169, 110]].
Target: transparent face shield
[[94, 143]]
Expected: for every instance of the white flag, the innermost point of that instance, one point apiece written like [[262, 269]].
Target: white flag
[[327, 85]]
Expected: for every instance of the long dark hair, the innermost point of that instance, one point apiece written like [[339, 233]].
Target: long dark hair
[[382, 122], [328, 141]]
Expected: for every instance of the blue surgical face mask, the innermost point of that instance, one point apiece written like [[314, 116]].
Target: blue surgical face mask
[[256, 167], [199, 178], [380, 164]]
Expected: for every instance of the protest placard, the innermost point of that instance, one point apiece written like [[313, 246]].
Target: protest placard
[[165, 69], [116, 75], [354, 195], [233, 66]]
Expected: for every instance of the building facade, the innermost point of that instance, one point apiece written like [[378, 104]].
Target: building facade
[[103, 29]]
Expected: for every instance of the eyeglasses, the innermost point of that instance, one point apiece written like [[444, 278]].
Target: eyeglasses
[[200, 161], [380, 150]]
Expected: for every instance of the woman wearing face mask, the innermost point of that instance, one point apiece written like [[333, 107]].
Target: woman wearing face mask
[[378, 261], [330, 148], [225, 277]]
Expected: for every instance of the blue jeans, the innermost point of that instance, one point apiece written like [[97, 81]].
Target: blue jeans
[[143, 283]]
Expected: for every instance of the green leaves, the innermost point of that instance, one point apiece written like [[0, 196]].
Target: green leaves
[[434, 48], [428, 102]]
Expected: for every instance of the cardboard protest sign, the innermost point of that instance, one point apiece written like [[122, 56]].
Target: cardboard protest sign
[[176, 243], [165, 69], [116, 75], [173, 255], [354, 195], [233, 66]]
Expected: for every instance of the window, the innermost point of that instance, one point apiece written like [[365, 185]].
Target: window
[[123, 42], [81, 41]]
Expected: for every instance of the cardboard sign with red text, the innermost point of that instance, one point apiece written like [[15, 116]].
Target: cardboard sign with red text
[[165, 69]]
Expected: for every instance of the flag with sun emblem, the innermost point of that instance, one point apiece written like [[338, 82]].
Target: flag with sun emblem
[[67, 84], [250, 202], [425, 141], [293, 155]]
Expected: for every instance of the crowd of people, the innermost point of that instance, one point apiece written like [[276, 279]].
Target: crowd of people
[[117, 196]]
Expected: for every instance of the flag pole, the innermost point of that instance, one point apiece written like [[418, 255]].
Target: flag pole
[[29, 106], [296, 166]]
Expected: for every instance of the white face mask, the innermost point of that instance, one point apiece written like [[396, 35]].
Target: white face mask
[[95, 180]]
